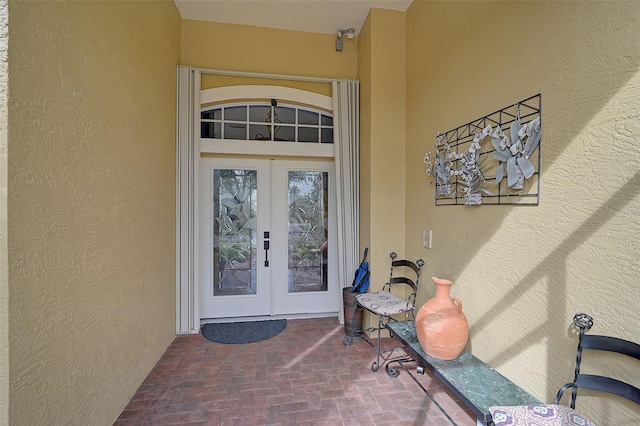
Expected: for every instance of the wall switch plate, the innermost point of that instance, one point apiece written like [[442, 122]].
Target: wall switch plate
[[426, 239]]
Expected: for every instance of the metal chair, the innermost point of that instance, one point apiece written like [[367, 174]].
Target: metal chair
[[385, 304], [594, 382]]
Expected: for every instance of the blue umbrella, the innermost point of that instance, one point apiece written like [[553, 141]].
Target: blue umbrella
[[361, 279]]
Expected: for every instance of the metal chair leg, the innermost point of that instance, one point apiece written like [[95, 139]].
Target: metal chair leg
[[376, 365]]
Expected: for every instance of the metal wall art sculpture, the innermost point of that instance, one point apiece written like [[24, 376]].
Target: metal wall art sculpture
[[469, 171]]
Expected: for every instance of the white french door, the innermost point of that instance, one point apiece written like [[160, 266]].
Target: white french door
[[267, 238], [304, 280]]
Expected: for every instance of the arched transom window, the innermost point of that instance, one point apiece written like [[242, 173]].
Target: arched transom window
[[266, 121]]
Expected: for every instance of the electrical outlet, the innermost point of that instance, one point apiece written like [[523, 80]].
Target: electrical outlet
[[426, 239]]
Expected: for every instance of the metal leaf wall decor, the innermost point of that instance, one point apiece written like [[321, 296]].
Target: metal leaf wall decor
[[492, 160]]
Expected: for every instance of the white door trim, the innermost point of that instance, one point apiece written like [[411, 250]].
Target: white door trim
[[188, 155], [281, 93]]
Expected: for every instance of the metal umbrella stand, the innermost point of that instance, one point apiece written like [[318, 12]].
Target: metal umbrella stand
[[352, 312]]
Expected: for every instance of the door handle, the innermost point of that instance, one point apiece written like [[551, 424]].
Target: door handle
[[266, 249]]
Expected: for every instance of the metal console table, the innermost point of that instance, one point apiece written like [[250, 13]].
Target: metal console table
[[474, 382]]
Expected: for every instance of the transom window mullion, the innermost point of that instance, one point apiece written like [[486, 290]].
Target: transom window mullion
[[245, 122]]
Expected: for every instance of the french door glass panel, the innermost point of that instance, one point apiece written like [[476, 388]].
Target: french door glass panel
[[235, 203], [308, 230]]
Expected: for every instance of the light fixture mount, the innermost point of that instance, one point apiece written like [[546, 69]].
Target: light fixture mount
[[350, 33]]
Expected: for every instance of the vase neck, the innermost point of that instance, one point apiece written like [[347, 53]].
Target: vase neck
[[442, 289]]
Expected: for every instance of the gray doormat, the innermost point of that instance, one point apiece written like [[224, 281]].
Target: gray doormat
[[243, 332]]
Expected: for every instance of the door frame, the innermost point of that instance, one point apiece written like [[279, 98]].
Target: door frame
[[233, 149], [273, 291], [344, 97]]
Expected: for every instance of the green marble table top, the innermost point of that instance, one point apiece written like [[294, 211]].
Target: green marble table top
[[477, 384]]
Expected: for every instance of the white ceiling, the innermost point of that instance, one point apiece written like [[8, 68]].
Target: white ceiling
[[317, 16]]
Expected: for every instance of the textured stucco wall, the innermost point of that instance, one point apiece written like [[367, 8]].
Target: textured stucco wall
[[364, 76], [4, 258], [382, 145], [91, 218], [266, 50], [523, 272]]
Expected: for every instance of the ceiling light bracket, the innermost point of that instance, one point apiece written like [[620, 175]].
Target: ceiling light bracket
[[350, 33]]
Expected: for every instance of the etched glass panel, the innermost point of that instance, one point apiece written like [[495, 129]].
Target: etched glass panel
[[235, 203], [307, 239]]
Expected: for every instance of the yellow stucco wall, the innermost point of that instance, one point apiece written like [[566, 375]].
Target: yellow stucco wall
[[364, 76], [91, 195], [266, 50], [523, 272], [381, 70], [4, 255]]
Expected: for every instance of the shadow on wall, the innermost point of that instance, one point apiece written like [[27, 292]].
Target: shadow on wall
[[582, 65], [455, 97], [555, 261]]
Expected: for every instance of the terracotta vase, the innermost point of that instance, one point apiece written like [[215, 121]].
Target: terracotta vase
[[441, 326]]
